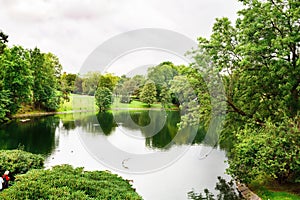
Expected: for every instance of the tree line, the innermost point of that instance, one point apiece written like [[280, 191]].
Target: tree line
[[29, 77], [151, 88], [257, 58]]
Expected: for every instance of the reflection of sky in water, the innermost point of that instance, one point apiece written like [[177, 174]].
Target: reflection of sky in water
[[193, 170], [125, 142]]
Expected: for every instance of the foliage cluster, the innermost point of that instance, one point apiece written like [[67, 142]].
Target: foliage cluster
[[19, 162], [28, 77], [258, 62], [65, 182]]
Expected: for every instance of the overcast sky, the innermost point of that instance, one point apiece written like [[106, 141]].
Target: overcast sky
[[72, 29]]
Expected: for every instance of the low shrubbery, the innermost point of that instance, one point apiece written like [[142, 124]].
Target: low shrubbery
[[65, 182], [19, 162]]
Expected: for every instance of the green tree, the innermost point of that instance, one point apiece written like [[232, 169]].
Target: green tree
[[162, 74], [51, 82], [67, 83], [17, 77], [3, 41], [5, 101], [47, 87], [4, 94], [272, 150], [127, 89], [148, 93], [90, 82], [78, 85], [38, 71], [188, 100], [108, 81], [259, 60], [165, 96], [103, 97]]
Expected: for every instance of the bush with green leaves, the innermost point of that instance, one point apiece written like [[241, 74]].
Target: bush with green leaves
[[65, 182], [272, 150], [19, 162], [103, 98]]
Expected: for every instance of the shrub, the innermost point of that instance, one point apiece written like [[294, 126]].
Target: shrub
[[19, 162], [65, 182]]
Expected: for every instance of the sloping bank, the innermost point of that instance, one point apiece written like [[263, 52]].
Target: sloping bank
[[60, 182], [36, 114]]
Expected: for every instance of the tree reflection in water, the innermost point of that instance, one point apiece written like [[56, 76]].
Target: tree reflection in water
[[227, 191]]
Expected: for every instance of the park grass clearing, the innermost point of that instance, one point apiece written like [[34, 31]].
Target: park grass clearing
[[87, 103], [274, 191], [83, 103], [78, 103], [266, 194]]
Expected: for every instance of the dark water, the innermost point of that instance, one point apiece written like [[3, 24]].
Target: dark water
[[143, 146]]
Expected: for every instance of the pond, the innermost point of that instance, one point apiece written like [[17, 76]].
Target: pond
[[144, 146]]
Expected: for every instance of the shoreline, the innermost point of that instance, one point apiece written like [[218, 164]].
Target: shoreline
[[37, 114]]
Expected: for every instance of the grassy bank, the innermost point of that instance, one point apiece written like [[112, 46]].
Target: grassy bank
[[85, 102], [274, 191]]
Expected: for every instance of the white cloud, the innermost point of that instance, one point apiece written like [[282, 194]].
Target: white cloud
[[72, 29]]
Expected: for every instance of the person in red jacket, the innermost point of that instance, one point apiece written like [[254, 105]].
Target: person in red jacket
[[6, 178]]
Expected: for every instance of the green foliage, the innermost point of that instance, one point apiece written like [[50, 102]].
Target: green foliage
[[90, 82], [69, 80], [188, 100], [103, 98], [148, 93], [78, 85], [3, 40], [272, 150], [65, 182], [19, 162], [4, 102], [162, 74], [165, 96], [27, 78], [47, 87], [259, 62], [108, 80], [17, 76]]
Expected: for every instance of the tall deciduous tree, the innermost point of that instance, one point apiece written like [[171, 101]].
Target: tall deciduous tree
[[148, 93], [108, 80], [17, 77], [165, 96], [162, 74], [103, 97], [259, 58], [5, 100], [47, 72], [90, 82]]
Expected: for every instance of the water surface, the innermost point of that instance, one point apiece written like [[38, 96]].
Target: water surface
[[79, 139]]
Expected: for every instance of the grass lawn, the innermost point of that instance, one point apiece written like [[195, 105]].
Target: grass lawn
[[275, 192], [266, 194], [85, 102], [78, 102]]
